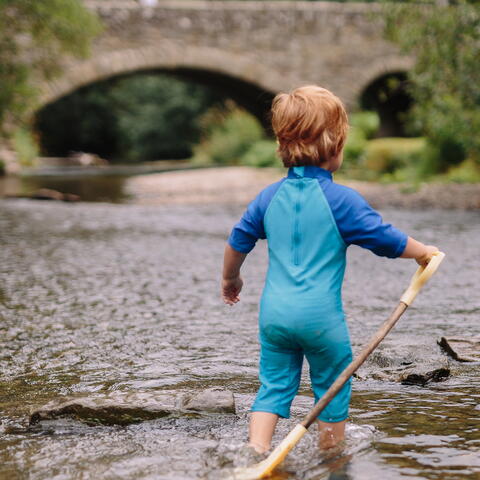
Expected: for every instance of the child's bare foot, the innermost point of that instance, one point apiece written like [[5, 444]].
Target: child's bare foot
[[261, 449]]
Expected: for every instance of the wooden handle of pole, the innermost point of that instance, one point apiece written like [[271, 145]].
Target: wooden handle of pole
[[354, 365], [421, 277]]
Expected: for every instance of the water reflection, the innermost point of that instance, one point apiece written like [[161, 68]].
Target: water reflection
[[340, 473], [90, 188], [334, 469]]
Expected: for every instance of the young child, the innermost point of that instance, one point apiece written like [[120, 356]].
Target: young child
[[308, 221]]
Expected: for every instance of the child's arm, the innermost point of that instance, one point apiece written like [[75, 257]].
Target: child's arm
[[242, 240], [420, 252], [232, 282], [359, 224]]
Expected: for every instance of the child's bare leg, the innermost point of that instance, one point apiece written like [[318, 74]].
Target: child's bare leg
[[330, 434], [262, 426]]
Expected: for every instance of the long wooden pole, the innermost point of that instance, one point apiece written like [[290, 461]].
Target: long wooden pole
[[419, 279]]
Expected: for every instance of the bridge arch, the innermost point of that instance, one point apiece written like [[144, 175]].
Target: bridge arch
[[239, 77], [395, 102], [375, 70]]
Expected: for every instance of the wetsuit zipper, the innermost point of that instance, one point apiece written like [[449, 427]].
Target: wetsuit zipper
[[296, 225]]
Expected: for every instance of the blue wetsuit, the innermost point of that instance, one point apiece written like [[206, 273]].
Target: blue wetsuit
[[308, 221]]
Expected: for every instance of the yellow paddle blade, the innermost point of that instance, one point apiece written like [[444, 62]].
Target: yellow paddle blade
[[266, 467]]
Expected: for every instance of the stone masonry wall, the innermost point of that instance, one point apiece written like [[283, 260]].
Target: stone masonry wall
[[272, 45]]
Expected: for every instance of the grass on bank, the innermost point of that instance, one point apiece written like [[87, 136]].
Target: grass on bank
[[25, 146], [234, 137]]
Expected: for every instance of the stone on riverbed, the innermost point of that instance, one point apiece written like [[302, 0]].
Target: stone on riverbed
[[407, 369], [120, 408], [421, 379], [49, 194], [462, 349], [209, 401]]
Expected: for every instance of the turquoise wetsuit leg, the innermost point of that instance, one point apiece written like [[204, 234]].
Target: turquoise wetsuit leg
[[326, 345], [284, 342], [280, 372]]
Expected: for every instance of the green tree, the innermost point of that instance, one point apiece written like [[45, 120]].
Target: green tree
[[158, 116], [82, 121], [228, 134], [444, 36], [34, 36], [141, 117]]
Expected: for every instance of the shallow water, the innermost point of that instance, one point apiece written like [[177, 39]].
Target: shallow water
[[100, 297], [94, 187]]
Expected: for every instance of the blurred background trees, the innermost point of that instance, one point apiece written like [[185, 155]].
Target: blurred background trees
[[34, 36], [136, 118], [444, 85]]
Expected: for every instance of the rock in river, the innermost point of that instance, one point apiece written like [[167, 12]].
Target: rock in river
[[124, 408], [208, 401], [421, 379]]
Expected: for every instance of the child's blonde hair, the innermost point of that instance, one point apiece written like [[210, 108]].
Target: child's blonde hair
[[311, 125]]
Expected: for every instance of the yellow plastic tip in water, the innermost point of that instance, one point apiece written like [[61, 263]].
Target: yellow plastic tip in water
[[266, 467]]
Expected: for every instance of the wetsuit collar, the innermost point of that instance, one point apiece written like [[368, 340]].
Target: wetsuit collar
[[310, 171]]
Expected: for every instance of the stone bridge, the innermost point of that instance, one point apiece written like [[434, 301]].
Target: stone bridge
[[250, 50]]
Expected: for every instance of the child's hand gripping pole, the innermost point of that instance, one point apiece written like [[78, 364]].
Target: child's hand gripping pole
[[266, 467], [421, 277]]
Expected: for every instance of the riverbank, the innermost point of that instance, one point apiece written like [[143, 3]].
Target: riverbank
[[181, 184], [240, 184]]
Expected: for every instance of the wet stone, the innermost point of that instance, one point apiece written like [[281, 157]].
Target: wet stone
[[123, 408], [209, 401], [49, 194], [422, 379]]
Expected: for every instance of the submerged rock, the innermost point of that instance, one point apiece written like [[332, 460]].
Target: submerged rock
[[120, 408], [209, 401], [49, 194]]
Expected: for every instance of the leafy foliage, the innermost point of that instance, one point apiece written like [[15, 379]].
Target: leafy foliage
[[263, 153], [467, 172], [143, 117], [445, 82], [229, 134], [363, 126], [34, 36], [388, 155], [25, 146], [158, 116], [367, 122]]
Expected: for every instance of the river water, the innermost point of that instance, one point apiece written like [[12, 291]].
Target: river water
[[102, 297]]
